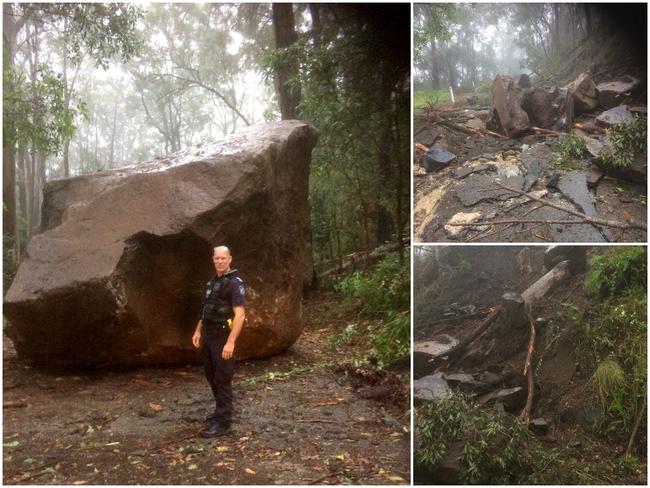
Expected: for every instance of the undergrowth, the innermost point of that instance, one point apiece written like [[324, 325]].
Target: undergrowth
[[384, 297], [497, 449], [572, 148], [627, 140], [615, 332]]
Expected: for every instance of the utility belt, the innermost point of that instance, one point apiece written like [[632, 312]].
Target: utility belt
[[217, 325]]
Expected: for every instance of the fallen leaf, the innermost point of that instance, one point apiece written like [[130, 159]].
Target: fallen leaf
[[113, 443], [395, 478], [340, 457], [155, 407], [221, 448], [79, 482], [11, 444], [192, 467], [250, 471]]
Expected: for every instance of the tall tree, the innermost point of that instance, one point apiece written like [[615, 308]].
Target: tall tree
[[286, 70]]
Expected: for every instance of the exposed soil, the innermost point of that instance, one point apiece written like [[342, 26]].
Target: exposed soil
[[564, 397], [299, 419]]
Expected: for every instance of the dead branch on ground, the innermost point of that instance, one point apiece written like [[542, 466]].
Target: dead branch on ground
[[470, 338], [546, 131], [528, 371], [635, 428]]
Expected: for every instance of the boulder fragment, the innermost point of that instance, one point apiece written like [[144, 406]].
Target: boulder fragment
[[576, 255], [436, 159], [506, 99], [118, 273], [544, 106], [613, 116], [584, 93], [613, 93]]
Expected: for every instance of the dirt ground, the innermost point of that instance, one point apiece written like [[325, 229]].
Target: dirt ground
[[299, 419]]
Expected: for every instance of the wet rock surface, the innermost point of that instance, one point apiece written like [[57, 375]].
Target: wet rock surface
[[118, 273], [613, 116]]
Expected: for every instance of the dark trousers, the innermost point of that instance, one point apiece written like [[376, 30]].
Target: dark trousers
[[218, 371]]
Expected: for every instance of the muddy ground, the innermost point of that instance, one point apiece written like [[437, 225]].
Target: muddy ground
[[564, 397], [300, 418], [466, 187]]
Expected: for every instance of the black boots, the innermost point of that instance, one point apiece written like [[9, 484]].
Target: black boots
[[215, 429]]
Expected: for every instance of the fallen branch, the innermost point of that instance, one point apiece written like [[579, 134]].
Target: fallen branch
[[472, 132], [494, 134], [457, 317], [546, 131], [637, 422], [528, 370], [14, 404], [421, 147], [470, 338], [631, 224], [590, 128], [539, 221]]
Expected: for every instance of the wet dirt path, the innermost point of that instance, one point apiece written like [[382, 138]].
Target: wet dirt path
[[298, 420]]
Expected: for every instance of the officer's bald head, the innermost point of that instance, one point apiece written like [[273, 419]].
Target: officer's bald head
[[222, 249]]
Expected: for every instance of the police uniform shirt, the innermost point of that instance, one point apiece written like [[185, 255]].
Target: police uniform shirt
[[232, 292]]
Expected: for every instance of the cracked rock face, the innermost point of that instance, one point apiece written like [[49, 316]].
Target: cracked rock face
[[118, 272]]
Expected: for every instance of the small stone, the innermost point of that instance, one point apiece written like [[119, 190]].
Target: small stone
[[539, 426], [462, 218]]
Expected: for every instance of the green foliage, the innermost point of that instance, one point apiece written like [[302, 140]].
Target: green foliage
[[384, 293], [351, 331], [354, 89], [572, 148], [431, 21], [425, 96], [497, 449], [8, 262], [609, 380], [35, 111], [616, 269], [628, 140], [616, 334], [101, 30]]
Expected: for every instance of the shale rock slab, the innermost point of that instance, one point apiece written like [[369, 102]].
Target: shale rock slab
[[118, 272]]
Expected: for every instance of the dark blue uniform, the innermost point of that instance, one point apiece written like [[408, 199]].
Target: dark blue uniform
[[222, 293]]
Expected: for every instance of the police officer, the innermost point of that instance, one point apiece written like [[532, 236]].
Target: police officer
[[221, 320]]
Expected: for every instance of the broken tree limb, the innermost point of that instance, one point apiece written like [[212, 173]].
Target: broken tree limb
[[472, 132], [631, 224], [612, 223], [421, 147], [635, 428], [543, 286], [494, 134], [528, 371], [470, 338], [546, 131]]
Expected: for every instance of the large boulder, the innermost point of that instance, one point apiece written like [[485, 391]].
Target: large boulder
[[506, 99], [544, 106], [118, 272]]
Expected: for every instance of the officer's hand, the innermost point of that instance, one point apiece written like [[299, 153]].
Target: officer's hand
[[228, 349], [196, 339]]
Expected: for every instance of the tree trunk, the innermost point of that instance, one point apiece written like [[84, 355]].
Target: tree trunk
[[287, 84], [434, 70], [11, 25], [23, 236]]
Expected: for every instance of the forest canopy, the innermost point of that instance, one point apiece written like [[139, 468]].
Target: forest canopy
[[465, 45]]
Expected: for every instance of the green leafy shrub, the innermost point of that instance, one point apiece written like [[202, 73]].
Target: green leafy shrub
[[497, 449], [616, 269], [384, 294], [628, 140], [572, 148], [615, 331]]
